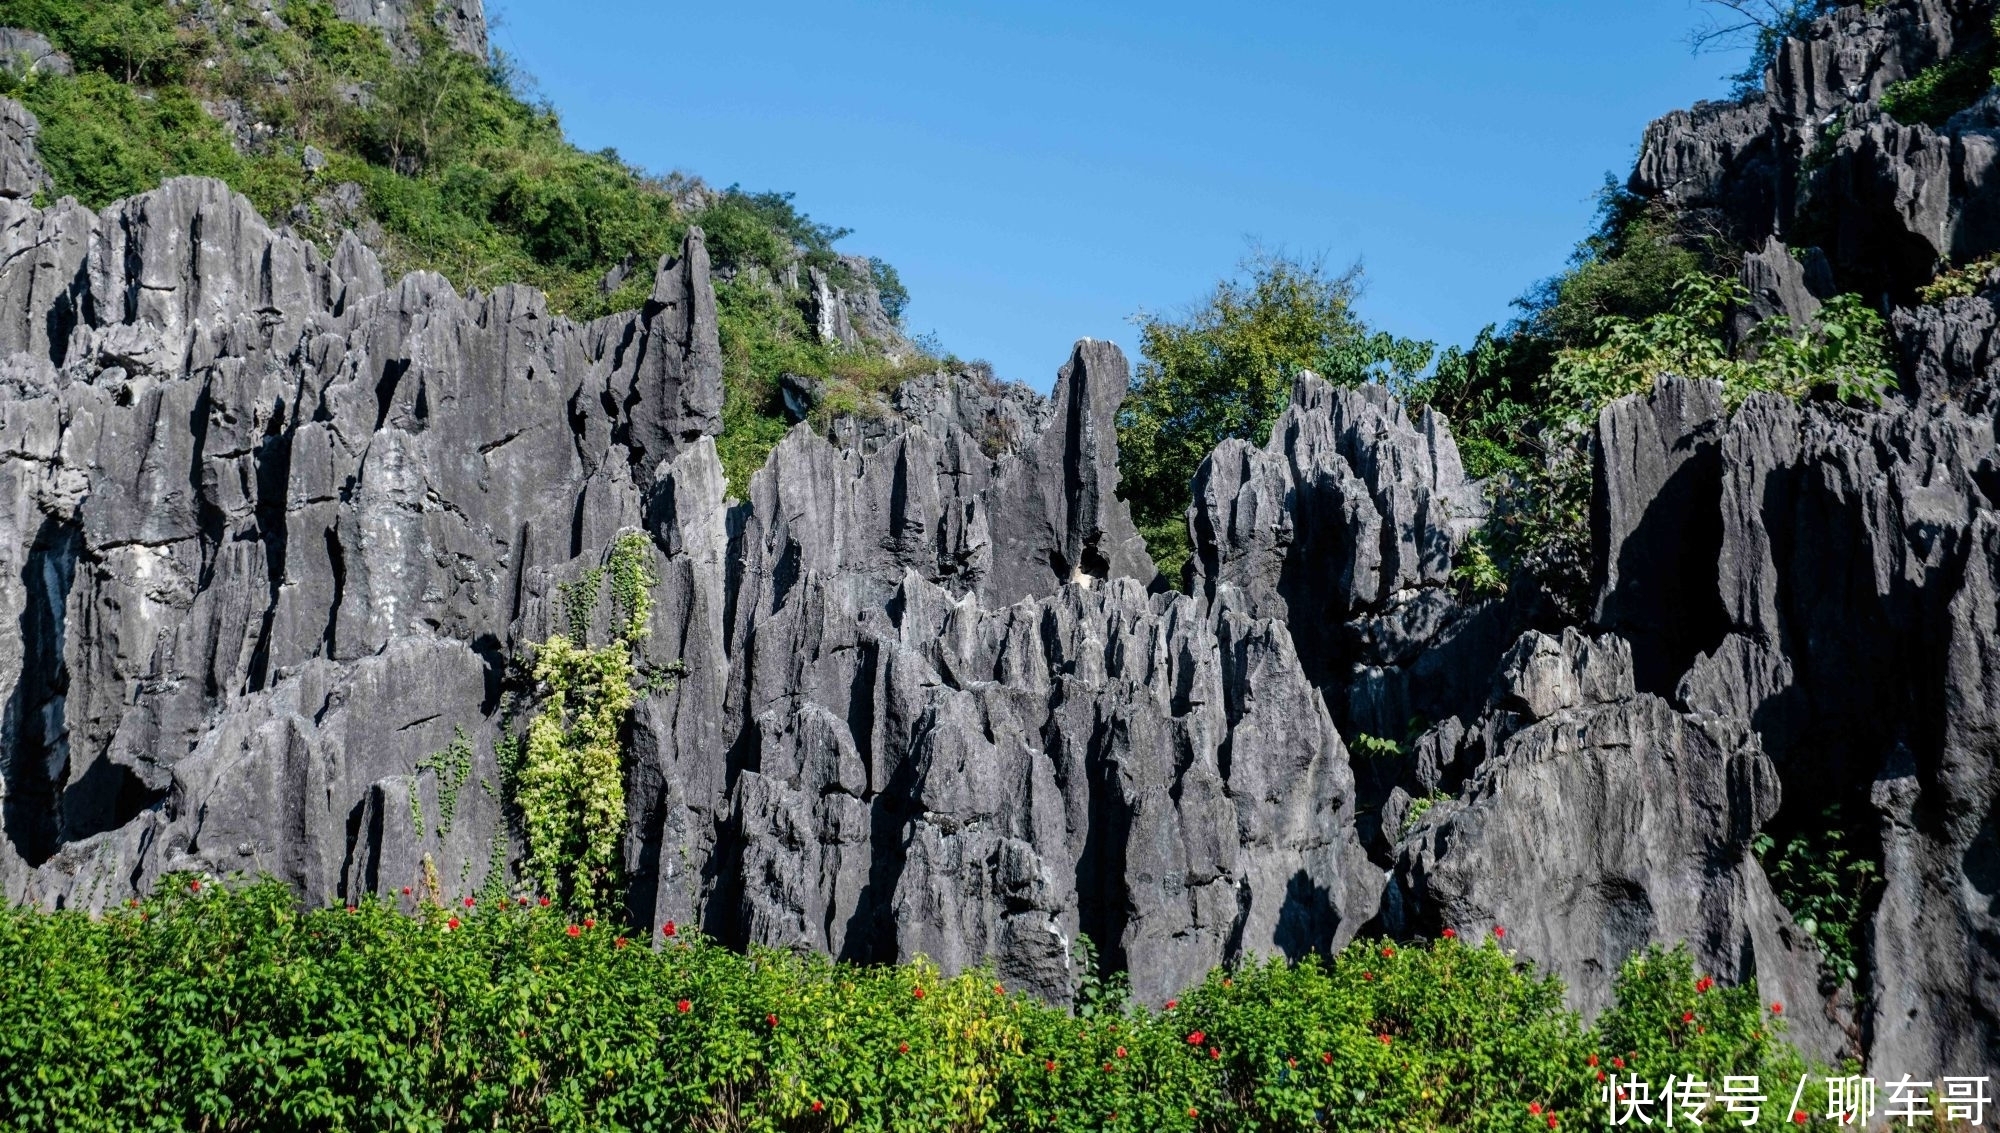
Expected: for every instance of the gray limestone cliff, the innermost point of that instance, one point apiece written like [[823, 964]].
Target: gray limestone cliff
[[275, 529]]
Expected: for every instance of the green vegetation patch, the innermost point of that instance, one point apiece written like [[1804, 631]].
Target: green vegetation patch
[[225, 1007], [464, 168], [1944, 88], [566, 775]]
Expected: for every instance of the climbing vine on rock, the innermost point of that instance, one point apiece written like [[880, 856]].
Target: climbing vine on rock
[[451, 766], [566, 774]]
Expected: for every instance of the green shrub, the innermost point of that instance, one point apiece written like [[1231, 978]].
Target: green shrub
[[1225, 370], [889, 287], [101, 141], [228, 1007], [1827, 884], [1845, 352], [1961, 281], [1419, 807], [1628, 268], [1944, 88], [1668, 1020], [133, 40]]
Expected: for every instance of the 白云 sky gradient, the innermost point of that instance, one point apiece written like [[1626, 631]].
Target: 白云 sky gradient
[[1039, 171]]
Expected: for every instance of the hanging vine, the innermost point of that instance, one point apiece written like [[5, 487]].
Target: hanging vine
[[566, 775]]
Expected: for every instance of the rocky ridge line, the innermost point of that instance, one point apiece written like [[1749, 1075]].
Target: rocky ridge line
[[276, 529]]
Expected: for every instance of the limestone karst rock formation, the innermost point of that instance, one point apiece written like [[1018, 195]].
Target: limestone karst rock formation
[[274, 529]]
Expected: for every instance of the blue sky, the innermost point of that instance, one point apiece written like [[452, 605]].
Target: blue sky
[[1039, 171]]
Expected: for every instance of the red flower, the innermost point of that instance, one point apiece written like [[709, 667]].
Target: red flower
[[468, 902], [618, 943], [998, 990], [1552, 1121], [1107, 1068], [1173, 1003], [1121, 1052], [683, 1007], [544, 902], [1499, 931], [1326, 1056], [1591, 1061], [452, 923], [817, 1107], [195, 885], [406, 891], [1777, 1009], [352, 909], [1384, 1038], [574, 931], [1193, 1112], [902, 1048], [1535, 1108], [1702, 985], [1368, 975], [1214, 1053], [1798, 1117], [522, 900], [1195, 1038], [1049, 1066], [1227, 982], [1293, 1063], [771, 1020], [1687, 1016], [918, 992], [1388, 953], [1450, 933], [1618, 1062], [589, 923], [1600, 1075], [667, 929]]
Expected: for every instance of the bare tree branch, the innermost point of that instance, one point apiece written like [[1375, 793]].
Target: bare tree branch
[[1738, 23]]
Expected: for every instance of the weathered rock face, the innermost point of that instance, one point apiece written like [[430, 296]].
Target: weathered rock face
[[1599, 820], [21, 172], [851, 316], [279, 528], [463, 22], [1804, 596], [24, 53], [1813, 161], [276, 533], [238, 469]]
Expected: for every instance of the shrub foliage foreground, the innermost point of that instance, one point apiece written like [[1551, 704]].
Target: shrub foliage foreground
[[216, 1008]]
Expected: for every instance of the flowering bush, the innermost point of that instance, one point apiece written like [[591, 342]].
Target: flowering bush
[[228, 1007]]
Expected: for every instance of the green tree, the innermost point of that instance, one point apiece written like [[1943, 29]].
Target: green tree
[[1225, 368]]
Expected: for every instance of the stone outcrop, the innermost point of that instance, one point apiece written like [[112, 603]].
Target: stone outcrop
[[463, 22], [285, 531], [277, 533], [1601, 819], [1804, 591], [852, 316], [1813, 161], [21, 173], [24, 53], [238, 468]]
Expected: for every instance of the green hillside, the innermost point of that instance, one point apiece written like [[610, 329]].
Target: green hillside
[[448, 162]]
